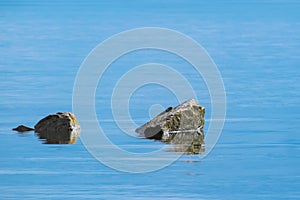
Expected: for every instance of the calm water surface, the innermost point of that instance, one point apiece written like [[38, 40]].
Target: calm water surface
[[256, 47]]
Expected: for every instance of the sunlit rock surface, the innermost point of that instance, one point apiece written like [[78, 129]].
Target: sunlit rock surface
[[181, 126]]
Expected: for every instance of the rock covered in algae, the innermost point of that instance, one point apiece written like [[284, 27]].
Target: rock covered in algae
[[181, 126], [59, 128]]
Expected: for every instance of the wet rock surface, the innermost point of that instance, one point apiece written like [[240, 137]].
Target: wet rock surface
[[59, 128], [181, 126]]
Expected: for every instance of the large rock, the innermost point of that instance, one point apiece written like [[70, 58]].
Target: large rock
[[181, 126], [59, 128]]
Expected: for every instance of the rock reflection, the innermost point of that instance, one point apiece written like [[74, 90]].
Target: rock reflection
[[67, 137], [187, 142]]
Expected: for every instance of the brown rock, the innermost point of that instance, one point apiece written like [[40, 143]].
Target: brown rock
[[22, 129], [181, 126], [59, 128]]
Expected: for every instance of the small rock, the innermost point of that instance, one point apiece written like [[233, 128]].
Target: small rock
[[181, 126], [22, 129], [59, 128]]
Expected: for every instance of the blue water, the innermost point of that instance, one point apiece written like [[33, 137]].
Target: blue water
[[256, 46]]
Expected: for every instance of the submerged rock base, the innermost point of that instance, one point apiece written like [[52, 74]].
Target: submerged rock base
[[181, 126]]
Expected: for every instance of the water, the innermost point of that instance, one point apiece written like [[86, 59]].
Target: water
[[256, 47]]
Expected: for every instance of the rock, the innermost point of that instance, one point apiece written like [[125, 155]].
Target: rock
[[59, 128], [22, 129], [181, 126]]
